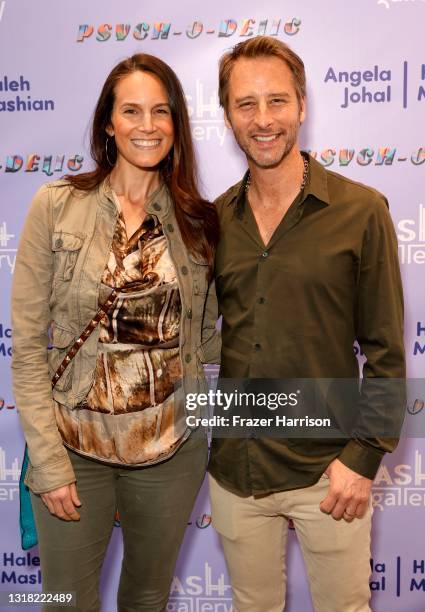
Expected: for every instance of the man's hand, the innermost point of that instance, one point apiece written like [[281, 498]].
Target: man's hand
[[63, 502], [348, 494]]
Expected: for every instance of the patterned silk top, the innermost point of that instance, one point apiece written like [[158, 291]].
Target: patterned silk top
[[132, 399]]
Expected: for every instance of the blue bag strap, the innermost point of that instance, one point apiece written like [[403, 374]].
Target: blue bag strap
[[26, 516]]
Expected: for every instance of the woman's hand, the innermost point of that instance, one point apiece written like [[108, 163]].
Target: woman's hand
[[63, 502]]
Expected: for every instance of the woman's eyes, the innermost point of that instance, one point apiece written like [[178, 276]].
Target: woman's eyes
[[157, 111]]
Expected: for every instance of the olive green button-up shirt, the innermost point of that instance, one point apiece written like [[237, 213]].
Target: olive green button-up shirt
[[293, 309]]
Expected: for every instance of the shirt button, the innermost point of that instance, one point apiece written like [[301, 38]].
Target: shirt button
[[265, 254], [257, 346], [59, 243], [261, 300], [184, 270], [170, 227], [157, 206], [188, 358], [189, 313]]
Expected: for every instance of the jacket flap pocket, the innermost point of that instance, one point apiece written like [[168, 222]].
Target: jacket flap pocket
[[61, 241], [61, 338]]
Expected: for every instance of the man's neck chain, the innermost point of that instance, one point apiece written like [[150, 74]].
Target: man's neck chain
[[303, 183]]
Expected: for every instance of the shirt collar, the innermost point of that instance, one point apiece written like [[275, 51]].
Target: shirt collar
[[317, 186], [317, 182]]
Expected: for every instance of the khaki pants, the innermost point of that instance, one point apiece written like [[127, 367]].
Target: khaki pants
[[154, 505], [253, 533]]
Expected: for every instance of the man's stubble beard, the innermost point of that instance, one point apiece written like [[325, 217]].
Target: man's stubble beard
[[290, 135]]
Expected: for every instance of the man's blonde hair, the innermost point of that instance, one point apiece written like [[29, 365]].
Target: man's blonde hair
[[260, 46]]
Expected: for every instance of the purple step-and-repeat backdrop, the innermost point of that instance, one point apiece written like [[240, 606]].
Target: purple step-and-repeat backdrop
[[366, 100]]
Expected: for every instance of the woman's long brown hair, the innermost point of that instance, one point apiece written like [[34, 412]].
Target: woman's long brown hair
[[197, 218]]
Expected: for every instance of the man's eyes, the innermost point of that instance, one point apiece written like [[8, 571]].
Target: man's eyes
[[272, 102]]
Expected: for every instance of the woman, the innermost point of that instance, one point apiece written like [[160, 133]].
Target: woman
[[112, 434]]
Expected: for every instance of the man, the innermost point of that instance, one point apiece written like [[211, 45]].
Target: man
[[306, 265]]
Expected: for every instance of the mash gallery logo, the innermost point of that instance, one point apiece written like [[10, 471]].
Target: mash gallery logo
[[7, 262], [4, 235], [163, 30], [401, 485], [14, 86], [206, 117], [201, 592], [49, 164], [376, 156], [411, 238], [10, 472]]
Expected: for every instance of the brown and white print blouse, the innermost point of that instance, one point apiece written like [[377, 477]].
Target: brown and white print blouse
[[131, 416]]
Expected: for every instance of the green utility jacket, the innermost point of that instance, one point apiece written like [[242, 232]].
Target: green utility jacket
[[62, 254]]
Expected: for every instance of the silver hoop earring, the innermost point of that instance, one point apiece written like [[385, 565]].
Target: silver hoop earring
[[106, 152]]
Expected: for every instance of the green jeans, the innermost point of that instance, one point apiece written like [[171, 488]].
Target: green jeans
[[154, 505]]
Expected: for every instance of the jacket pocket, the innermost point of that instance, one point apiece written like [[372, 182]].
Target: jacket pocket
[[66, 248], [62, 340]]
